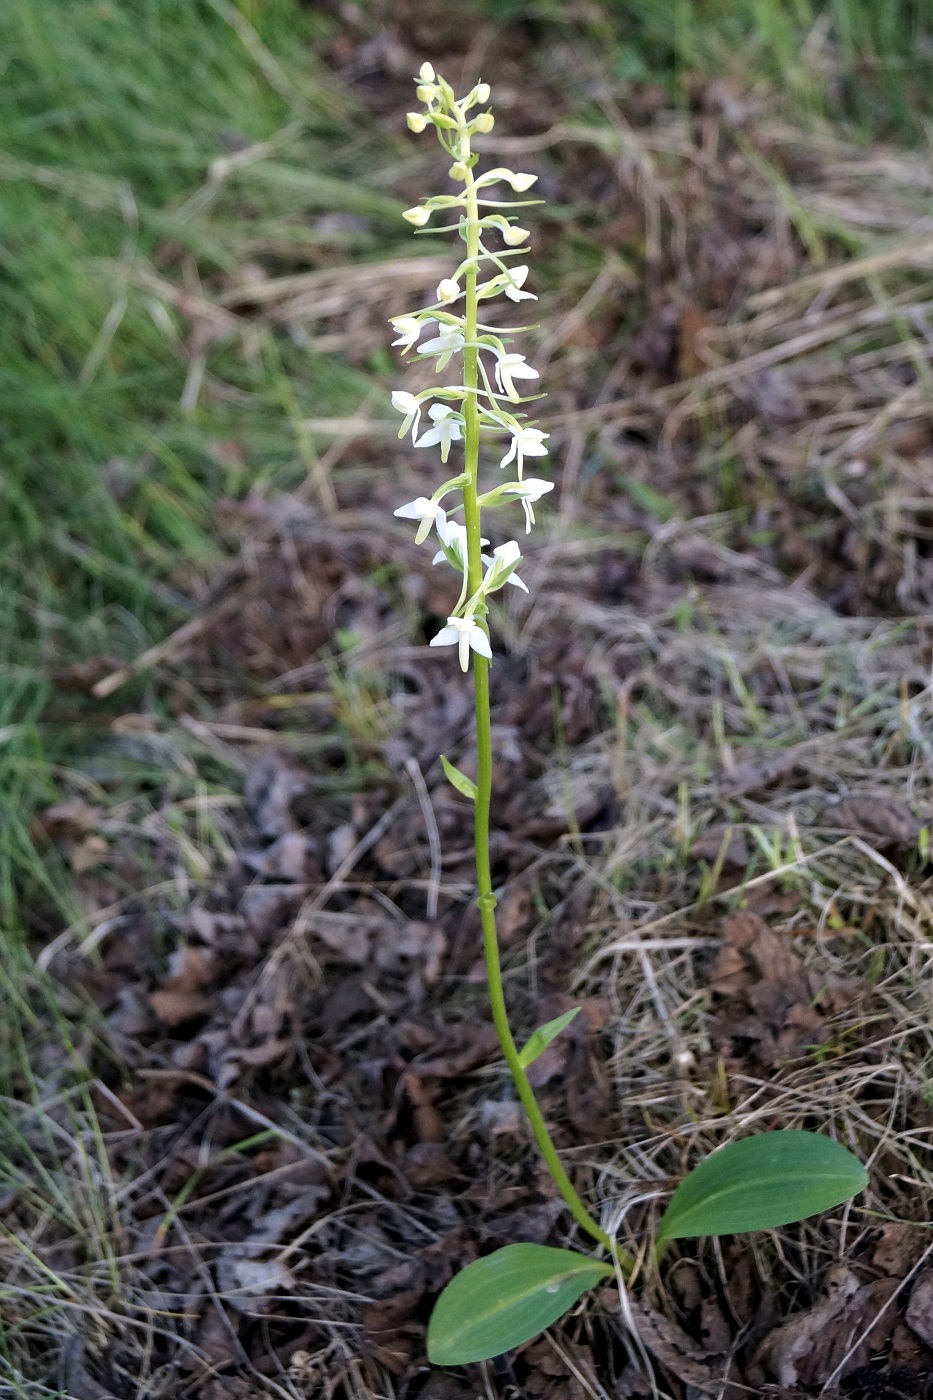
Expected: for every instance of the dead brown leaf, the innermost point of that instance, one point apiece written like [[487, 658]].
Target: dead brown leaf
[[882, 818], [178, 1008], [774, 1007]]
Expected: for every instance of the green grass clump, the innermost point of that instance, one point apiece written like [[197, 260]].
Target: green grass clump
[[113, 118], [864, 59]]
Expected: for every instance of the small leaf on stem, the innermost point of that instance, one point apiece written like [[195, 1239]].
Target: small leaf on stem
[[540, 1039], [464, 785], [505, 1299], [761, 1182]]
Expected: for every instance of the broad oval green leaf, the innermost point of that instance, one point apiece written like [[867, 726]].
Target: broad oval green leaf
[[464, 785], [505, 1299], [761, 1182], [539, 1040]]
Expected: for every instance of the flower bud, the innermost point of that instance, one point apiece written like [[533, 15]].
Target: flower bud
[[482, 91], [426, 73], [417, 216], [416, 122], [447, 290], [458, 171], [522, 182], [483, 123], [513, 235], [425, 93]]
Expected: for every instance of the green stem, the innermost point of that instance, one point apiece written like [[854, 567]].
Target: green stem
[[486, 900]]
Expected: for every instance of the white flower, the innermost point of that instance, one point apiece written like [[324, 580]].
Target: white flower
[[446, 429], [518, 182], [416, 121], [428, 513], [527, 491], [409, 329], [457, 545], [516, 280], [456, 542], [505, 557], [448, 290], [417, 216], [527, 442], [463, 632], [511, 366], [407, 403], [443, 345]]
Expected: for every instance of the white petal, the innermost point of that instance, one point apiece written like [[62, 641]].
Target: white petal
[[510, 455], [480, 642], [414, 510]]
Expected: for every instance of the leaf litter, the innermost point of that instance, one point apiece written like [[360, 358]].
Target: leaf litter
[[713, 779]]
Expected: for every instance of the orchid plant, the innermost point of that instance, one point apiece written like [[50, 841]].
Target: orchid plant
[[503, 1299]]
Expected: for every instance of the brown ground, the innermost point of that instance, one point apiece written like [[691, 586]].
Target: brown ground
[[714, 770]]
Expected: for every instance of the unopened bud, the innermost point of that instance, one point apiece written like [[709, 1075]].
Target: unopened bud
[[416, 122], [425, 93], [484, 123], [426, 73], [482, 91], [448, 290], [417, 216], [522, 182], [514, 235], [458, 171]]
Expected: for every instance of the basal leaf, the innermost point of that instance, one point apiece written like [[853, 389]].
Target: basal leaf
[[505, 1299], [464, 785], [540, 1039], [761, 1182]]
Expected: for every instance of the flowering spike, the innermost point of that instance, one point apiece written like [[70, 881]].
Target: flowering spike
[[492, 371]]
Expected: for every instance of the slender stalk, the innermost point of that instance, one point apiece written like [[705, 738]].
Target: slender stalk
[[486, 900]]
